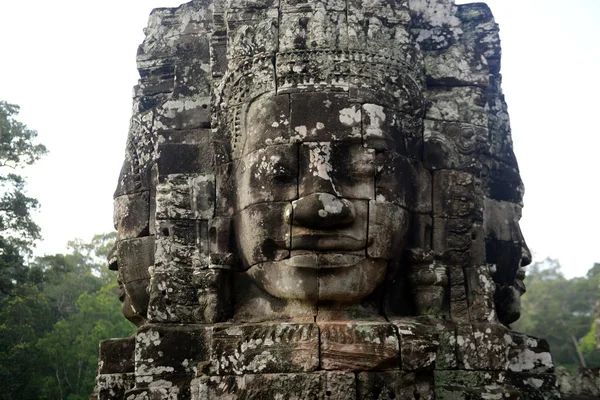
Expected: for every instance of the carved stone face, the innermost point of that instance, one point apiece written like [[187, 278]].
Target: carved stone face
[[309, 222], [507, 251]]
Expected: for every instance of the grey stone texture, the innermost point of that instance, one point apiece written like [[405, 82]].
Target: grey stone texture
[[320, 200]]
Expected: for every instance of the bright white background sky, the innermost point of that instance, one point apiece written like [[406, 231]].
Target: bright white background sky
[[70, 65]]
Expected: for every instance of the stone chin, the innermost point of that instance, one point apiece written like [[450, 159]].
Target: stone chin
[[312, 276], [508, 302]]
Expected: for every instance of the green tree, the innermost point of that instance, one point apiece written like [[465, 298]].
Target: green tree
[[18, 231], [560, 310], [24, 318], [71, 348], [50, 326], [83, 270]]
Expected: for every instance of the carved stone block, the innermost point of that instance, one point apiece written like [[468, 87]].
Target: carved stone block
[[180, 196], [182, 158], [301, 386], [529, 354], [116, 356], [213, 291], [457, 65], [169, 352], [315, 29], [403, 181], [480, 293], [258, 173], [474, 385], [267, 123], [251, 33], [265, 348], [325, 117], [132, 215], [453, 145], [135, 257], [493, 345], [383, 239], [113, 386], [481, 32], [386, 129], [501, 220], [379, 27], [357, 346], [459, 306], [399, 385], [418, 345], [139, 153], [346, 237], [455, 195], [446, 351], [259, 236], [457, 104], [350, 177], [502, 181], [466, 347], [190, 112]]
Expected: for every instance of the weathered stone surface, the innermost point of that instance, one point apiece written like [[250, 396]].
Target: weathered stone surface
[[394, 385], [529, 354], [320, 200], [135, 257], [165, 352], [582, 384], [358, 346], [267, 123], [301, 386], [258, 172], [404, 182], [455, 196], [383, 239], [264, 348], [181, 196], [457, 65], [464, 104], [262, 233], [132, 215], [339, 169], [116, 356], [325, 117], [418, 345], [113, 386], [481, 32], [474, 385], [213, 291], [453, 145]]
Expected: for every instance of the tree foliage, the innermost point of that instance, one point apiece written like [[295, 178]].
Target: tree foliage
[[18, 231], [51, 325], [562, 311]]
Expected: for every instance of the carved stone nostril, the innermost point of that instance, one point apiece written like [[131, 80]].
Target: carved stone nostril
[[322, 210]]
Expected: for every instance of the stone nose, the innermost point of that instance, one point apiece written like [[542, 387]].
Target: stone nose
[[321, 211]]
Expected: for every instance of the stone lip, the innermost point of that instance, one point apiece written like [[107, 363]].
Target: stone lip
[[327, 241], [323, 261]]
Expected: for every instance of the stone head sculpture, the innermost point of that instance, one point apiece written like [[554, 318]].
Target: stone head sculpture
[[297, 160]]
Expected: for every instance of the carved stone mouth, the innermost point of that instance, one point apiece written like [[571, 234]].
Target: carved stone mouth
[[324, 261], [327, 242]]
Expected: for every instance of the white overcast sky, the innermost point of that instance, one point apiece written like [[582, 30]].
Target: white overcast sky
[[70, 65]]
